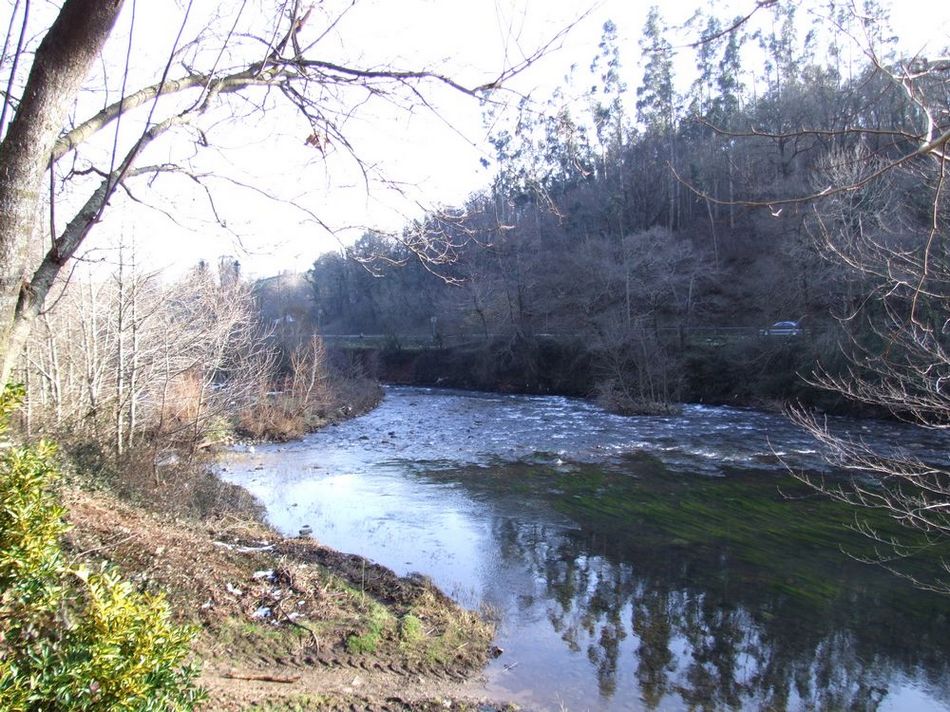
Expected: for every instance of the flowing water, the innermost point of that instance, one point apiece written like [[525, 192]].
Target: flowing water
[[665, 563]]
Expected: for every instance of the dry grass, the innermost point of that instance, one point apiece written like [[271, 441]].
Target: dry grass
[[284, 416]]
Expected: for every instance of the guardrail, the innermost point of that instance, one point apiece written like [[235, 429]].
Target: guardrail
[[696, 335]]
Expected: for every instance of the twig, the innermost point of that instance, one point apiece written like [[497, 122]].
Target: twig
[[316, 640], [108, 545], [288, 618], [243, 549], [261, 677]]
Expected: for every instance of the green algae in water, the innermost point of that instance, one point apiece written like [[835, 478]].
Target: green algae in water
[[768, 529]]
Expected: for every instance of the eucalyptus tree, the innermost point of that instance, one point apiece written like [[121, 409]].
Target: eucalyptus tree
[[656, 95], [729, 75], [714, 100], [612, 128], [657, 103], [707, 50], [607, 94], [779, 43]]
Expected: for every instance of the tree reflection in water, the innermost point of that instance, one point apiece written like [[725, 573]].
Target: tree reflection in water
[[704, 631], [651, 625]]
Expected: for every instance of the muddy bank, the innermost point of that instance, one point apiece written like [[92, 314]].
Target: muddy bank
[[285, 622]]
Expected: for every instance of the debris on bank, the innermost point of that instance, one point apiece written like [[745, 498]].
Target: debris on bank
[[289, 613]]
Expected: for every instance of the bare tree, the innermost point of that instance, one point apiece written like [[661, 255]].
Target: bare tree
[[131, 360], [272, 57], [897, 345]]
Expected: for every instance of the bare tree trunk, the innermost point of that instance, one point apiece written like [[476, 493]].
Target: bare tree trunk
[[88, 324], [732, 194], [119, 414], [712, 228], [674, 184], [55, 379], [28, 410], [62, 62], [134, 361]]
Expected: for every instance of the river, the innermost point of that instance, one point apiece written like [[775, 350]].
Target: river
[[665, 563]]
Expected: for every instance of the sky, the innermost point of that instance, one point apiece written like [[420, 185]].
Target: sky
[[435, 157]]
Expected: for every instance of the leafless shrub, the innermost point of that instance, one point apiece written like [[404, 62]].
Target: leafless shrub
[[305, 398], [130, 362], [896, 344], [637, 374]]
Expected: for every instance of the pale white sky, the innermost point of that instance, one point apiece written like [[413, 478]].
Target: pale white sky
[[435, 157]]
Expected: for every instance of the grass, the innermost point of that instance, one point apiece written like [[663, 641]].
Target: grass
[[444, 636], [427, 631], [241, 638], [378, 623], [410, 629], [431, 629]]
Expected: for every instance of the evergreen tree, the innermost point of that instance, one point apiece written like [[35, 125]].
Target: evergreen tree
[[656, 98]]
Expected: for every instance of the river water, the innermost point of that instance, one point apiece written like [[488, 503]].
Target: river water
[[664, 563]]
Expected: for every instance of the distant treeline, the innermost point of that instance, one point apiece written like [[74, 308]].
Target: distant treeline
[[615, 224]]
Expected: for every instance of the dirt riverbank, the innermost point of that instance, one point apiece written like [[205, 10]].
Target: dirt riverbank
[[287, 624]]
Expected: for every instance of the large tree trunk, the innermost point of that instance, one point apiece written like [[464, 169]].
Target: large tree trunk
[[59, 68]]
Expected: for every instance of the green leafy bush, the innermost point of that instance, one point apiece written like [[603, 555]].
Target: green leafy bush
[[72, 638]]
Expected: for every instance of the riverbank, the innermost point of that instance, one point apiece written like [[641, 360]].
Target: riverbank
[[282, 623], [285, 623], [483, 492], [761, 373], [288, 415]]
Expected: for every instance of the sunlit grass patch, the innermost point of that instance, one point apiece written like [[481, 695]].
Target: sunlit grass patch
[[377, 623]]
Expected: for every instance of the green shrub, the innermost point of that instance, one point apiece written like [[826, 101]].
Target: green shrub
[[71, 638]]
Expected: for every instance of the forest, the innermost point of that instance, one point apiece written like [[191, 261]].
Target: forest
[[636, 244]]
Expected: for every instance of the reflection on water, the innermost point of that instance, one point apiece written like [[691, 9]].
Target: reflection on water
[[661, 632], [637, 564]]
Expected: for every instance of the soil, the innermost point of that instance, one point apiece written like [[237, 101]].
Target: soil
[[287, 624]]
